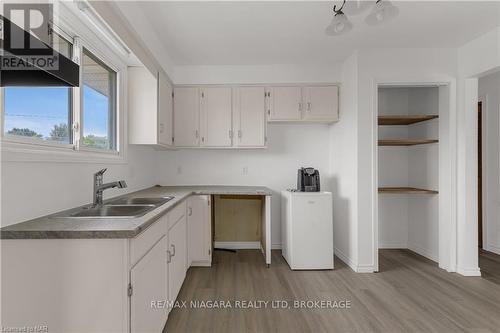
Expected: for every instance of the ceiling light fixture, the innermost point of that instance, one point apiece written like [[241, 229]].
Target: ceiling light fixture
[[382, 12], [340, 23]]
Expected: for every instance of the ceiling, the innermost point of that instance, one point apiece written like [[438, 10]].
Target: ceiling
[[265, 32]]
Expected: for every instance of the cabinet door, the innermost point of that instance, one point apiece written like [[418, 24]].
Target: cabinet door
[[216, 112], [177, 248], [285, 103], [186, 117], [250, 116], [165, 111], [142, 106], [322, 103], [149, 282], [199, 231]]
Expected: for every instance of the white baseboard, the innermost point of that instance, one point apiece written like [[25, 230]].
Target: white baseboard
[[365, 269], [200, 264], [238, 245], [276, 246], [423, 252], [348, 261], [393, 245], [475, 271], [493, 248]]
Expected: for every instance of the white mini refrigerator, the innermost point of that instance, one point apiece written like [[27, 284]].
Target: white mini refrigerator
[[307, 229]]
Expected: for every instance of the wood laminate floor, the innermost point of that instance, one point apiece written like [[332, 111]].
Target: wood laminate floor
[[490, 266], [410, 294]]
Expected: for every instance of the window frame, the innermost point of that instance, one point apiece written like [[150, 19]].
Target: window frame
[[115, 115], [76, 29], [5, 137]]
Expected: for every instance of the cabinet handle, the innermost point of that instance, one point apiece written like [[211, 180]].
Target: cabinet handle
[[268, 112], [300, 106], [169, 257], [202, 139], [308, 106], [196, 134], [173, 248], [190, 211], [240, 134]]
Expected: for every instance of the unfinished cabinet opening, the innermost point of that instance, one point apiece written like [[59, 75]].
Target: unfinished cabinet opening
[[408, 169], [237, 222]]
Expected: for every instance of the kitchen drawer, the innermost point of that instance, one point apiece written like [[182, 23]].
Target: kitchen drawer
[[141, 244], [176, 214]]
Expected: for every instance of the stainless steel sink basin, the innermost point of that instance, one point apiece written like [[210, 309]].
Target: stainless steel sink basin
[[111, 211], [125, 208], [140, 201]]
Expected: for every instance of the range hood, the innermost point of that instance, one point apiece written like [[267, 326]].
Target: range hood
[[19, 69]]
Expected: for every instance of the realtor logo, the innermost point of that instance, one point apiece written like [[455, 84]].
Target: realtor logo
[[27, 37], [34, 19]]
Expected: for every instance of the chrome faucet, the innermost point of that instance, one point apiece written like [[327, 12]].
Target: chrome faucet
[[99, 187]]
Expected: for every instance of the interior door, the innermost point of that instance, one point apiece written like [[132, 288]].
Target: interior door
[[199, 231], [216, 110], [251, 117], [186, 117], [148, 278], [322, 103], [285, 103], [177, 247], [165, 111]]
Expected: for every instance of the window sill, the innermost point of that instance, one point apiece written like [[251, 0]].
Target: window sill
[[13, 150]]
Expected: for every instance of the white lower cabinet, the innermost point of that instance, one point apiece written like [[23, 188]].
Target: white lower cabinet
[[199, 231], [177, 254], [123, 285], [149, 280]]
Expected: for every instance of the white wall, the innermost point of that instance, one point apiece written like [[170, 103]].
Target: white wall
[[410, 66], [343, 166], [289, 148], [489, 94], [476, 58], [33, 189], [256, 74]]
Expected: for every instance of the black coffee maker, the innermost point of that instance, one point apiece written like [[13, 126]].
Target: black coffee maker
[[308, 180]]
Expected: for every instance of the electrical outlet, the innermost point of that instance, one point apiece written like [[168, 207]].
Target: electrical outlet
[[245, 170]]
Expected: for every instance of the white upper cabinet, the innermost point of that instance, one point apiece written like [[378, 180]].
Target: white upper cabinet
[[321, 103], [236, 117], [216, 112], [149, 108], [285, 103], [186, 117], [165, 112], [249, 117]]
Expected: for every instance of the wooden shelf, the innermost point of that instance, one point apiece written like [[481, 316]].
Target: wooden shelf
[[405, 142], [404, 120], [405, 190]]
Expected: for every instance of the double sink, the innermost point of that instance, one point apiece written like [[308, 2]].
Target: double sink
[[118, 208]]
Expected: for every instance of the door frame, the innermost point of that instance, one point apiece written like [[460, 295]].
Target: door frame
[[447, 171], [483, 100]]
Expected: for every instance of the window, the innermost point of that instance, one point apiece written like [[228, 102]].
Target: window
[[98, 104], [46, 114], [40, 112]]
